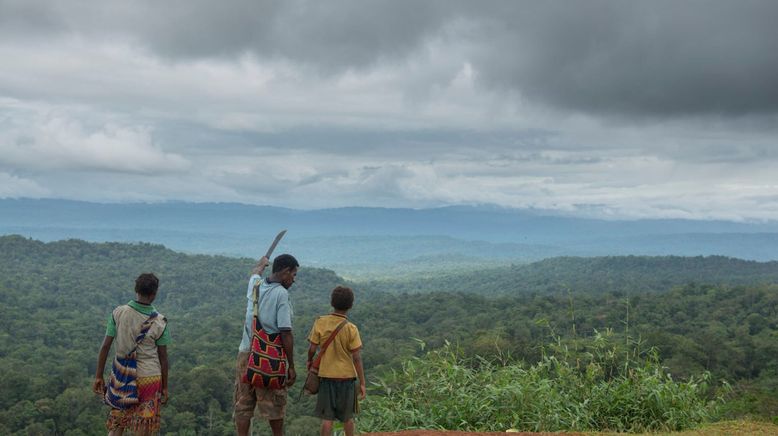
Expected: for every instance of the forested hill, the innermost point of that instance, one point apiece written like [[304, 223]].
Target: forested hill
[[55, 299], [594, 275]]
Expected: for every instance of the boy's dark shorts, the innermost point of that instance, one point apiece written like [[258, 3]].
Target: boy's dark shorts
[[337, 400], [270, 402]]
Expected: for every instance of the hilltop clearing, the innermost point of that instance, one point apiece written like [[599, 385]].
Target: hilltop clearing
[[55, 299]]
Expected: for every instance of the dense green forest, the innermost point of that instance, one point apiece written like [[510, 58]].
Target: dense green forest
[[55, 299], [593, 275]]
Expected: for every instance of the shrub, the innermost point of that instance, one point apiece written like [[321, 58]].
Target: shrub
[[597, 389]]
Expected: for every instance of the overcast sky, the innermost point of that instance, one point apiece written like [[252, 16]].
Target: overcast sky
[[604, 108]]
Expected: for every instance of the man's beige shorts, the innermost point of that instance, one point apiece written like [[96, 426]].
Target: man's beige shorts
[[271, 404]]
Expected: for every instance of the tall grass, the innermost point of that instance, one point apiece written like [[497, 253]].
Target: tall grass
[[598, 386]]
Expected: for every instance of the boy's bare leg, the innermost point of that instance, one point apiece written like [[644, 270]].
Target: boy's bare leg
[[348, 427], [326, 428]]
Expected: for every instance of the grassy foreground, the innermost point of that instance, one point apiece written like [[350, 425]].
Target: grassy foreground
[[598, 388]]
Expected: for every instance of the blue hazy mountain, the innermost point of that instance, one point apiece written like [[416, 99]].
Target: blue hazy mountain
[[381, 236]]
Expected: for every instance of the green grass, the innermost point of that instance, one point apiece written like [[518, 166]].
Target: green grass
[[600, 387]]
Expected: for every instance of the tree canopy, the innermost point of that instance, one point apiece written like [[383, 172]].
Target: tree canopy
[[55, 299]]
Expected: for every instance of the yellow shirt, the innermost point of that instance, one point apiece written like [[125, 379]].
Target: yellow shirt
[[336, 361]]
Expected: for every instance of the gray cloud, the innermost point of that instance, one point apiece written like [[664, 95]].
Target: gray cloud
[[659, 58], [642, 109], [614, 58], [333, 36], [35, 139]]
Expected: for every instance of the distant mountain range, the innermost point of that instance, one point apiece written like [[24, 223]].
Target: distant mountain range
[[365, 238]]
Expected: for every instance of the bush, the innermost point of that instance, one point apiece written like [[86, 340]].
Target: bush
[[597, 389]]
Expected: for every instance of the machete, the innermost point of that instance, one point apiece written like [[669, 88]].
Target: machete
[[274, 244]]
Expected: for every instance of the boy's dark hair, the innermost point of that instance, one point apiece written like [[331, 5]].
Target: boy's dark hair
[[342, 298], [146, 284], [284, 261]]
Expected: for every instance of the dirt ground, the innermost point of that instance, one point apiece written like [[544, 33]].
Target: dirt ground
[[726, 428], [461, 433]]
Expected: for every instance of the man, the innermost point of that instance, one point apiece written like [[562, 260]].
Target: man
[[275, 314]]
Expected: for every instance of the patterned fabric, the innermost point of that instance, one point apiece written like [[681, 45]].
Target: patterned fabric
[[144, 416], [269, 404], [267, 360], [122, 389]]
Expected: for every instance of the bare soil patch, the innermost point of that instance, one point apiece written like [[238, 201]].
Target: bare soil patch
[[463, 433], [726, 428]]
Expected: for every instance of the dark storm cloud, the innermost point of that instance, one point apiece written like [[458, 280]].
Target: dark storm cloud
[[658, 58], [332, 36], [329, 35], [650, 58]]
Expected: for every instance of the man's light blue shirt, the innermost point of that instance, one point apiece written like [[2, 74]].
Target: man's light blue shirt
[[275, 309]]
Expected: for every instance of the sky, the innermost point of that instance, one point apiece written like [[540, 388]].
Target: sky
[[609, 109]]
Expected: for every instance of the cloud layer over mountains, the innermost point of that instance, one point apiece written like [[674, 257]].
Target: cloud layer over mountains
[[650, 109]]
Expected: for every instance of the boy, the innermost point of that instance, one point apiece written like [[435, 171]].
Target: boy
[[341, 364]]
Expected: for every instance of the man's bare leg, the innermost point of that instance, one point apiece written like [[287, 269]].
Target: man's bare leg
[[242, 426], [277, 425], [117, 432]]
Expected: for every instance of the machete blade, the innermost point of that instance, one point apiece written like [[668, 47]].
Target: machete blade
[[275, 243]]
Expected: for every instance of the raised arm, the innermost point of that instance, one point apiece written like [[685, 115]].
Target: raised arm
[[261, 265]]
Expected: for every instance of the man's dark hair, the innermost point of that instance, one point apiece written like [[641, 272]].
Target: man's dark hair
[[342, 298], [284, 261], [146, 284]]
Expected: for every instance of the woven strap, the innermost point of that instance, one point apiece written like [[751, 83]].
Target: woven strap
[[144, 329], [317, 361], [257, 299]]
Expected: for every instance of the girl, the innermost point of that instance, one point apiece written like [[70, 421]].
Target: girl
[[125, 326]]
